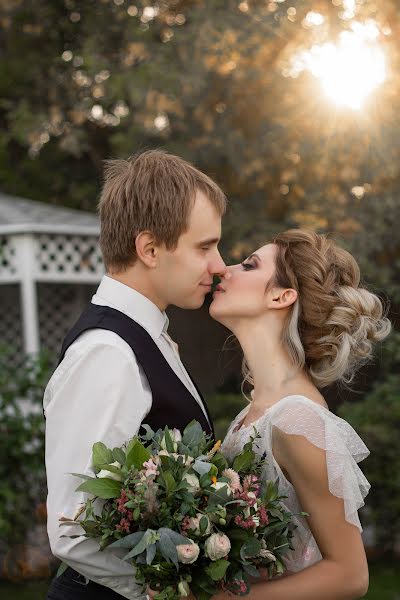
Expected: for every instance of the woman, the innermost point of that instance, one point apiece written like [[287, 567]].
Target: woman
[[303, 323]]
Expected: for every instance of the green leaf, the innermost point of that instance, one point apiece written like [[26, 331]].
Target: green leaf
[[274, 512], [250, 569], [137, 455], [118, 455], [169, 445], [101, 454], [63, 566], [81, 476], [271, 492], [129, 541], [193, 434], [216, 570], [168, 548], [201, 467], [219, 461], [112, 469], [149, 538], [149, 435], [150, 553], [251, 548], [243, 461], [170, 482], [203, 525], [104, 488]]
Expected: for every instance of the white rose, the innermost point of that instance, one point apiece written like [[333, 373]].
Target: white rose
[[219, 485], [109, 474], [193, 481], [217, 546], [188, 553], [194, 524]]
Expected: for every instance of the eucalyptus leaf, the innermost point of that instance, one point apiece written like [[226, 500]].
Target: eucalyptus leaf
[[129, 541], [149, 433], [150, 553], [150, 537], [201, 467], [193, 434]]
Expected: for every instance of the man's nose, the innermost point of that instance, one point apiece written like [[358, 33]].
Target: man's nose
[[218, 266]]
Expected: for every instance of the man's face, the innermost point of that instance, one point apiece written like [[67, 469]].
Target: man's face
[[185, 275]]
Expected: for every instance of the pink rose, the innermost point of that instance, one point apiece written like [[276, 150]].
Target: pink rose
[[188, 553], [151, 468]]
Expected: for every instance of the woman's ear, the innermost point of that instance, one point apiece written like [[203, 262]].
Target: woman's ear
[[283, 298], [146, 249]]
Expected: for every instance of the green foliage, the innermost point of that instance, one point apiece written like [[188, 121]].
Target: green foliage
[[223, 409], [377, 420], [22, 472]]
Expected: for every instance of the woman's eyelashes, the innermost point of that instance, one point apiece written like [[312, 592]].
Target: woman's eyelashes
[[247, 266]]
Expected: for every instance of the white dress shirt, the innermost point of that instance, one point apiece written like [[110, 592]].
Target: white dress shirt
[[99, 392]]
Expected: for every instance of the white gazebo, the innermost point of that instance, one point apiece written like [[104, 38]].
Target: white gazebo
[[50, 265]]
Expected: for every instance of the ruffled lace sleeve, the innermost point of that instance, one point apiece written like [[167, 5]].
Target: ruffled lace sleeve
[[298, 415]]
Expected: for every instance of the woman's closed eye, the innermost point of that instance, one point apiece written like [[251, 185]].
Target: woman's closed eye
[[248, 266]]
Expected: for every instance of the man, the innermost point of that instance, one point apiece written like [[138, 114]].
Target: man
[[160, 229]]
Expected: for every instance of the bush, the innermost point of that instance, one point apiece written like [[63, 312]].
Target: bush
[[223, 409], [22, 471], [377, 420]]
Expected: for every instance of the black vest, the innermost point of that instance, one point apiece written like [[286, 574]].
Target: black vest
[[172, 405]]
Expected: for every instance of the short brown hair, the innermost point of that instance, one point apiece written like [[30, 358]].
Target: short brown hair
[[151, 191]]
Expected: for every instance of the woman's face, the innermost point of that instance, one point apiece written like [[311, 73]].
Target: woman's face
[[242, 291]]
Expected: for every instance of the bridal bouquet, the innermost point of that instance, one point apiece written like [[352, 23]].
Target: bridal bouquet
[[186, 519]]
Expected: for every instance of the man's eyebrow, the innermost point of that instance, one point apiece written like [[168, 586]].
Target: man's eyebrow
[[209, 241]]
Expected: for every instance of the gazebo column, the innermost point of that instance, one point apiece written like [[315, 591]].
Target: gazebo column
[[29, 303]]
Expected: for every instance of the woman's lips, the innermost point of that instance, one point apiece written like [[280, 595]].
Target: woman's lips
[[219, 289]]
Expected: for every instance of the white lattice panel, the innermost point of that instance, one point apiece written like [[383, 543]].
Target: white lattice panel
[[59, 307], [10, 318], [8, 258], [68, 255]]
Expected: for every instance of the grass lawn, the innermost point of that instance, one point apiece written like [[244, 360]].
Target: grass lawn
[[384, 585]]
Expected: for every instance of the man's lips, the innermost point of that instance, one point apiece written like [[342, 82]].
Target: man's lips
[[219, 288]]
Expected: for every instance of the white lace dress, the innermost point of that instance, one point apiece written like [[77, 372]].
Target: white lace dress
[[299, 415]]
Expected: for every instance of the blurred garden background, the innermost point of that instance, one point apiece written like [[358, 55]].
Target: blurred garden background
[[291, 106]]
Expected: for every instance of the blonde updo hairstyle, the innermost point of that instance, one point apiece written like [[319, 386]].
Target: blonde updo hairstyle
[[334, 322]]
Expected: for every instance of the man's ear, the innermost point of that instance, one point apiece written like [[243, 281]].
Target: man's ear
[[146, 249], [283, 298]]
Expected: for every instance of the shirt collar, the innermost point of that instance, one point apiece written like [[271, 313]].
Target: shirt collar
[[132, 303]]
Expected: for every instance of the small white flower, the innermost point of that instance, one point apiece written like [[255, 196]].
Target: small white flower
[[219, 485], [105, 473], [175, 436], [217, 546]]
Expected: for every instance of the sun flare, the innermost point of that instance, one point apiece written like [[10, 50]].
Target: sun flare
[[350, 69]]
